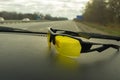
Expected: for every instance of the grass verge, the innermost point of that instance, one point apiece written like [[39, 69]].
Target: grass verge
[[112, 29]]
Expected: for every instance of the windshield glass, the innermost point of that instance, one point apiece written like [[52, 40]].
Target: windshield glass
[[98, 16], [68, 29]]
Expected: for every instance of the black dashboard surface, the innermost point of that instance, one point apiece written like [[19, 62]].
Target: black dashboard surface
[[26, 57]]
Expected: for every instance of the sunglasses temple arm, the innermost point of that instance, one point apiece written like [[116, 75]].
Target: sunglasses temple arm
[[100, 49], [91, 35], [73, 33], [95, 35], [104, 47]]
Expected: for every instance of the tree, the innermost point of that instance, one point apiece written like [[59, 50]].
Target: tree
[[34, 16], [103, 11], [48, 17], [95, 11], [114, 10]]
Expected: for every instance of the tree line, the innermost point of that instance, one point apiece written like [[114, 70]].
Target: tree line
[[102, 11], [32, 16]]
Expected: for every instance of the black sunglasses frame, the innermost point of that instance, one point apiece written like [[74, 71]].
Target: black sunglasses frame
[[86, 46]]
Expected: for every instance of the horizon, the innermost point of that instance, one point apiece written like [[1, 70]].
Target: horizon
[[56, 8]]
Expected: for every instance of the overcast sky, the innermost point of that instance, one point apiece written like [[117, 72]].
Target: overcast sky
[[65, 8]]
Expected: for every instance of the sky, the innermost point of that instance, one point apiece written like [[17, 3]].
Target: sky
[[58, 8]]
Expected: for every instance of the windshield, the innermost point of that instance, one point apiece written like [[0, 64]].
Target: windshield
[[89, 26], [97, 16]]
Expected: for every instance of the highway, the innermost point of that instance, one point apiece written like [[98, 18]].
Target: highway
[[91, 66], [43, 26]]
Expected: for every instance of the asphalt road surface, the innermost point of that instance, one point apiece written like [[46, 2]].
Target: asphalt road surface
[[32, 63], [43, 26]]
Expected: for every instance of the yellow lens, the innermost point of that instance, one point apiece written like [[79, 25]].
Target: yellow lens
[[48, 39], [68, 46]]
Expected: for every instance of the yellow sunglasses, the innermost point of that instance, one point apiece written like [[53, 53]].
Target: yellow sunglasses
[[69, 43]]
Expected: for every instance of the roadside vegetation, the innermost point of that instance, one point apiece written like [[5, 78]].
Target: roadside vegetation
[[103, 15], [114, 29], [32, 16]]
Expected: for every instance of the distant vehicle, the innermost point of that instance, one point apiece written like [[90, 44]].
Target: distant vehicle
[[2, 19], [26, 19]]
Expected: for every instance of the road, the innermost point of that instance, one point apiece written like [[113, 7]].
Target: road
[[93, 66], [42, 26]]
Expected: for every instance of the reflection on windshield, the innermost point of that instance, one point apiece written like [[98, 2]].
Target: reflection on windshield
[[66, 62]]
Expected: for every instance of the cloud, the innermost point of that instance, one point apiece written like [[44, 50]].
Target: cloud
[[66, 8]]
